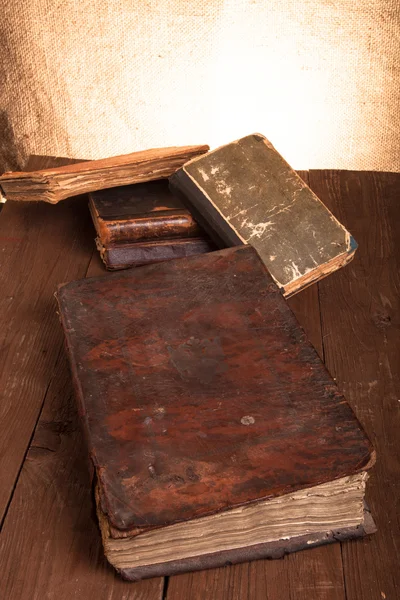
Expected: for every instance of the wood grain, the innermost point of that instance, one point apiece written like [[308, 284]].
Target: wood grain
[[319, 572], [360, 317], [56, 183], [50, 543], [41, 246], [315, 576]]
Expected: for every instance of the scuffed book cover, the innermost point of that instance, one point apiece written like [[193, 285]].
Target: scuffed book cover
[[246, 193], [200, 392]]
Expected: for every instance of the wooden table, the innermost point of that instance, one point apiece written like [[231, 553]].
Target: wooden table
[[50, 544]]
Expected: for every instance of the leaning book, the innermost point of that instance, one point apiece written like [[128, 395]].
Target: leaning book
[[246, 193]]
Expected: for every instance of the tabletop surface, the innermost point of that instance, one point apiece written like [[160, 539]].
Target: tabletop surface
[[50, 545]]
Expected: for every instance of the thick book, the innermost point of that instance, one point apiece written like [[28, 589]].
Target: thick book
[[216, 433], [144, 223], [57, 183], [246, 193]]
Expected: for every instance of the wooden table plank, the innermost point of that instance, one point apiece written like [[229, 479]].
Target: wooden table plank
[[50, 544], [360, 314], [41, 246], [316, 573]]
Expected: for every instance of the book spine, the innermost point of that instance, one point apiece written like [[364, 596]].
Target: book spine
[[210, 219], [123, 256], [148, 228], [78, 393]]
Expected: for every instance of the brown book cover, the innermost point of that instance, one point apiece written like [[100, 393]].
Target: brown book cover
[[246, 193], [144, 223], [215, 430]]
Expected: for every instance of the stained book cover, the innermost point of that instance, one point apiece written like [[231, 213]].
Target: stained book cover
[[246, 193], [144, 223], [200, 394]]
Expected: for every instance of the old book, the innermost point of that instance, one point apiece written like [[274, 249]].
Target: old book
[[144, 223], [140, 212], [246, 193], [216, 433], [53, 185], [126, 255]]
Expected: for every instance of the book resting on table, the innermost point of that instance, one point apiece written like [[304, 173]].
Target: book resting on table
[[216, 432]]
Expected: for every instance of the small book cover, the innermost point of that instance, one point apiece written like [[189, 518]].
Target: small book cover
[[216, 433], [144, 223], [246, 193]]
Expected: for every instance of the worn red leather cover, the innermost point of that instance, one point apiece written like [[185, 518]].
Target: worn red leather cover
[[199, 390], [140, 212]]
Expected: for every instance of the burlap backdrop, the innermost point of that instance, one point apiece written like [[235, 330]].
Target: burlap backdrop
[[93, 78]]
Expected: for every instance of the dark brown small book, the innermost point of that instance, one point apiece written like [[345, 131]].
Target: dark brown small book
[[144, 223], [216, 433], [246, 193]]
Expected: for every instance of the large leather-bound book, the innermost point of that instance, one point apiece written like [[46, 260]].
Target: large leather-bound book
[[143, 223], [216, 433], [245, 192]]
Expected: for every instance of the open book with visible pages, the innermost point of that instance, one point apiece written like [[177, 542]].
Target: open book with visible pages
[[216, 433]]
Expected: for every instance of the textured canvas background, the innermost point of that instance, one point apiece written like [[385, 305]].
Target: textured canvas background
[[93, 78]]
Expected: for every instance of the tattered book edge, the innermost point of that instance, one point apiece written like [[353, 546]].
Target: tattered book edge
[[298, 283], [269, 550]]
